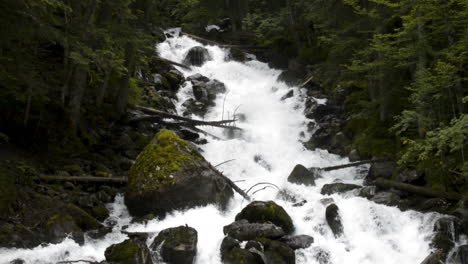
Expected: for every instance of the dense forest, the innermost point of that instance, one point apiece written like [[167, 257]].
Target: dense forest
[[401, 65]]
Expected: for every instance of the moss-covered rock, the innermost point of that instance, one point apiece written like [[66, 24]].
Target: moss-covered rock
[[277, 252], [261, 212], [17, 236], [170, 174], [100, 213], [177, 245], [239, 256], [60, 226], [128, 252]]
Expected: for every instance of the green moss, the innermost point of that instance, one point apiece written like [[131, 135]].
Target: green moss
[[164, 156], [127, 252], [82, 218], [261, 212], [165, 83], [103, 174], [100, 213], [59, 218]]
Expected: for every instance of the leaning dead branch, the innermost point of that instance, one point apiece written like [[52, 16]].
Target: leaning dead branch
[[164, 115], [231, 183], [353, 164]]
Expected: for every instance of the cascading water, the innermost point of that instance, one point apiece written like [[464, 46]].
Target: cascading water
[[266, 151]]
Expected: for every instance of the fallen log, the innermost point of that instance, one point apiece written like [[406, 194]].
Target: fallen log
[[424, 191], [84, 179], [348, 165], [211, 42], [193, 122]]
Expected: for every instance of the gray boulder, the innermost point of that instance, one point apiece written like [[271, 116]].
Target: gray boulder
[[297, 242], [380, 170], [338, 187], [264, 212], [177, 245], [301, 175], [333, 218], [128, 251], [243, 230]]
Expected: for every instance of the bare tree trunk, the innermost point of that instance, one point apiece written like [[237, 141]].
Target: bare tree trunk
[[104, 86], [124, 89], [77, 95]]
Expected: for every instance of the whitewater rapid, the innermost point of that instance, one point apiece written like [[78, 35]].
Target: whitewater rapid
[[266, 151]]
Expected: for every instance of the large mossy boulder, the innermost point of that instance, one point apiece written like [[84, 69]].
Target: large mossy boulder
[[177, 245], [169, 175], [262, 212], [243, 230], [128, 252]]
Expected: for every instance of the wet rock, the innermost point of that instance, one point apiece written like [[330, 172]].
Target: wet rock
[[240, 256], [297, 242], [243, 230], [194, 107], [277, 252], [254, 244], [338, 143], [198, 77], [301, 175], [262, 162], [200, 92], [411, 177], [434, 205], [327, 201], [289, 94], [386, 198], [214, 88], [367, 192], [99, 233], [262, 212], [460, 255], [17, 236], [177, 245], [175, 79], [334, 220], [380, 170], [171, 175], [310, 108], [127, 252], [339, 187], [322, 256], [197, 56], [447, 231], [354, 155], [434, 258], [299, 204], [227, 245], [17, 261], [187, 134], [62, 225]]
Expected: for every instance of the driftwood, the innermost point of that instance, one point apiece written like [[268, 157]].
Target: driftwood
[[306, 82], [419, 190], [211, 42], [84, 179], [188, 121]]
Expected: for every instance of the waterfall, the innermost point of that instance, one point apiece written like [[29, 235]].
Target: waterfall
[[268, 148]]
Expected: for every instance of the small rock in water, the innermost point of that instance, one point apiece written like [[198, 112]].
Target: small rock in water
[[334, 220], [332, 188], [297, 242], [289, 94], [178, 245], [301, 175], [197, 56], [244, 231], [128, 251]]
